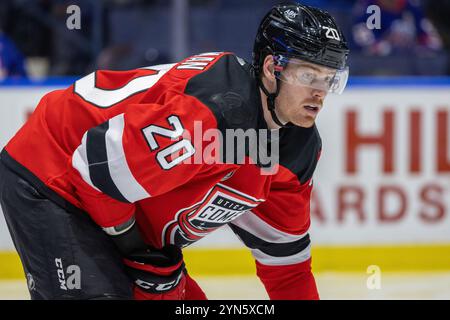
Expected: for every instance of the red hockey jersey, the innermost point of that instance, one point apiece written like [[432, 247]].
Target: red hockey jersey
[[118, 144]]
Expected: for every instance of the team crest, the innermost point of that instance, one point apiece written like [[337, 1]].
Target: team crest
[[221, 205]]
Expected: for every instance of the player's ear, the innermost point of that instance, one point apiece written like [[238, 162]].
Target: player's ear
[[268, 68]]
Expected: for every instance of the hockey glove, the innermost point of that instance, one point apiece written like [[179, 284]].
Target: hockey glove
[[157, 274]]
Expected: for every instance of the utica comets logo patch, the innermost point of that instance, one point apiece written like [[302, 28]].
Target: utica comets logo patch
[[221, 205]]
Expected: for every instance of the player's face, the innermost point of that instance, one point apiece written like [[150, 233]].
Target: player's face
[[298, 102]]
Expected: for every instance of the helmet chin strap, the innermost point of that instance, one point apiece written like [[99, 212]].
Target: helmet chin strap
[[271, 102]]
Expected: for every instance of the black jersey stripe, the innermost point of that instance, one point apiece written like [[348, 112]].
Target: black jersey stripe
[[272, 249], [98, 162]]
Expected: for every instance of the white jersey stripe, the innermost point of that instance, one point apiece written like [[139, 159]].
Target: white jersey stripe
[[80, 162], [253, 224], [120, 173]]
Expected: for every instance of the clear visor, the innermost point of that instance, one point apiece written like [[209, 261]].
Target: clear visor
[[301, 73]]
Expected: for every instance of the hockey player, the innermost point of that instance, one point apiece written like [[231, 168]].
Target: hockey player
[[99, 197]]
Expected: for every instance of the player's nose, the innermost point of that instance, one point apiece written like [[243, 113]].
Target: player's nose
[[319, 94]]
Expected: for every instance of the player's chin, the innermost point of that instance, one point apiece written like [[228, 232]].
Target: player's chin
[[305, 121]]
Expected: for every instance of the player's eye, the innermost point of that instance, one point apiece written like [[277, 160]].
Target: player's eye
[[334, 83], [307, 77], [328, 79]]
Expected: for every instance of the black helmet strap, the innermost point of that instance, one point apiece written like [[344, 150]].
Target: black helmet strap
[[271, 101]]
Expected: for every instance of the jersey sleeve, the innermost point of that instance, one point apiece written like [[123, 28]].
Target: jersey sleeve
[[277, 234], [146, 151]]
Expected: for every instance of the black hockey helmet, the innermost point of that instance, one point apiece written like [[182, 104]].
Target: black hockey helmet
[[292, 31], [302, 32]]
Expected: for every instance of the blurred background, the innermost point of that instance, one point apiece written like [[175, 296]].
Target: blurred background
[[380, 208], [122, 34]]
